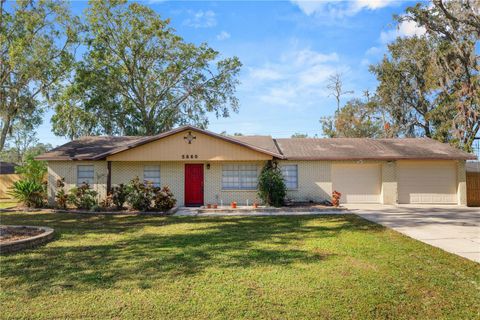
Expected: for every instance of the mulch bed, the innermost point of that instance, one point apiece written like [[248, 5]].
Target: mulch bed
[[8, 234]]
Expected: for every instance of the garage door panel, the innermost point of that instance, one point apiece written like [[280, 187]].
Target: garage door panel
[[427, 182], [358, 183]]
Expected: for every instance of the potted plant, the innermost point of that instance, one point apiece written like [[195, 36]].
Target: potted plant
[[215, 206], [209, 206], [336, 198], [233, 204], [255, 205]]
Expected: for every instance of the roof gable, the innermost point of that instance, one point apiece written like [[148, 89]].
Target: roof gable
[[190, 144]]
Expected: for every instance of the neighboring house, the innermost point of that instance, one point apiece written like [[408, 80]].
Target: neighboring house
[[204, 167], [7, 167]]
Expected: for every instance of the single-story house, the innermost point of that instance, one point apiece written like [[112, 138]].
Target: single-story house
[[204, 167]]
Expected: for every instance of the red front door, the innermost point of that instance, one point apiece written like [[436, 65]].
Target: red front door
[[194, 184]]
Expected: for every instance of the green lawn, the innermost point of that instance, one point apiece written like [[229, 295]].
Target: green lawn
[[5, 204], [233, 267]]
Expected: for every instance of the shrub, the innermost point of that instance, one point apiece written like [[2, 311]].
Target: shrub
[[163, 199], [140, 195], [32, 170], [271, 186], [61, 197], [83, 197], [30, 193], [336, 198], [119, 196], [105, 203]]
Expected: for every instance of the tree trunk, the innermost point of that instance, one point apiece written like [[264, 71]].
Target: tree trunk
[[6, 127]]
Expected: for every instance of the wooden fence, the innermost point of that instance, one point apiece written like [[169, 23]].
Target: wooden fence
[[473, 189], [6, 181]]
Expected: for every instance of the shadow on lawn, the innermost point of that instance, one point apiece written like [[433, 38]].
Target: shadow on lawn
[[140, 257]]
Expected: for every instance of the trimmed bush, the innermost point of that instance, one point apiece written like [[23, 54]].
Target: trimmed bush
[[30, 193], [271, 186], [83, 197]]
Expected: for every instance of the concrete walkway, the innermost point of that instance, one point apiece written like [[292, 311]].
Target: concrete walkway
[[452, 228]]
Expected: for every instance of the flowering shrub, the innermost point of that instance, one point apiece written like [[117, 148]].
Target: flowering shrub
[[119, 195], [336, 198], [61, 196], [163, 199], [140, 195], [83, 197]]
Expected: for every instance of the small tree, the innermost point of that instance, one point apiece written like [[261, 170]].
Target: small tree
[[32, 170], [271, 186]]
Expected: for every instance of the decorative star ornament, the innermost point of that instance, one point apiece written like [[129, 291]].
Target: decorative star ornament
[[189, 137]]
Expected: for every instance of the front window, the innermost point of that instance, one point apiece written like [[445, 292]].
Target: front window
[[239, 177], [290, 176], [85, 175], [152, 174]]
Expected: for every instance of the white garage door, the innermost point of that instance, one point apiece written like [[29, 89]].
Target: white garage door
[[358, 183], [427, 182]]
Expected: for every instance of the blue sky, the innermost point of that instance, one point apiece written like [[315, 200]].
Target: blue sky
[[288, 50]]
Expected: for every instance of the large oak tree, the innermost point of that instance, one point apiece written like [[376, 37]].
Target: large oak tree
[[37, 43], [138, 77]]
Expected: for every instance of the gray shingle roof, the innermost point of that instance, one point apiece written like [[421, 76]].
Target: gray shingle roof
[[99, 147], [368, 149]]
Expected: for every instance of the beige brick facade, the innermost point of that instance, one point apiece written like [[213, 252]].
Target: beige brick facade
[[314, 179], [68, 170]]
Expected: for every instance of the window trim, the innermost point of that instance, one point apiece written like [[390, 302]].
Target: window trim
[[78, 174], [296, 170], [237, 188]]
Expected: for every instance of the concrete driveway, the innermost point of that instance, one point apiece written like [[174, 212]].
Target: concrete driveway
[[452, 228]]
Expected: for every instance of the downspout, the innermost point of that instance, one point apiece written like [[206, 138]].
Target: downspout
[[109, 177]]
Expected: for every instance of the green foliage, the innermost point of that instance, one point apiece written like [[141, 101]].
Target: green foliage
[[356, 119], [163, 199], [140, 195], [61, 196], [119, 195], [32, 170], [30, 193], [37, 43], [138, 77], [453, 29], [408, 81], [271, 186], [83, 197]]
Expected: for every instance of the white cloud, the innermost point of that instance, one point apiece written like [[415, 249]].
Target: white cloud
[[201, 19], [339, 9], [265, 73], [404, 29], [375, 51], [297, 78], [224, 35]]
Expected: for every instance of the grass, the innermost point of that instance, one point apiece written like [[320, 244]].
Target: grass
[[146, 267], [7, 204]]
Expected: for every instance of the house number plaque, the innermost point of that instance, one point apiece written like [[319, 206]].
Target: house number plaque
[[189, 156]]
